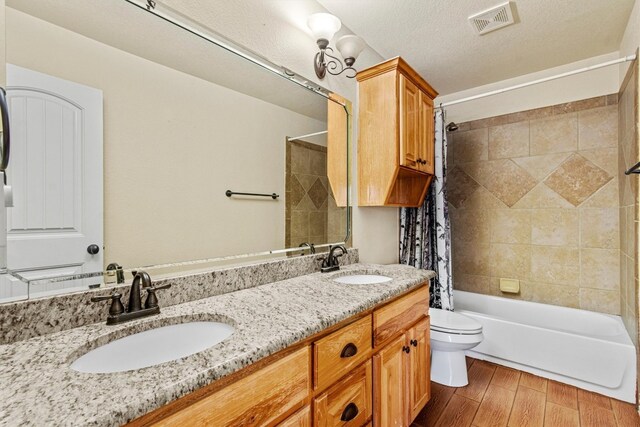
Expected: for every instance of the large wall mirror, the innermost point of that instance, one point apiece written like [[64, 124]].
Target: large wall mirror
[[128, 132]]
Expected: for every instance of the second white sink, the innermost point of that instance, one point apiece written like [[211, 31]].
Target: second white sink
[[362, 279], [153, 347]]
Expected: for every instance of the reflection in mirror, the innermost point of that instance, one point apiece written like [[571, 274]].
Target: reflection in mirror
[[128, 132]]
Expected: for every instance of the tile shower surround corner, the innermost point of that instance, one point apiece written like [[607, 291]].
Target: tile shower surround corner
[[534, 196], [26, 319], [628, 149]]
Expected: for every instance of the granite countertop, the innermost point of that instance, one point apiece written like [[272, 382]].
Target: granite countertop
[[39, 388]]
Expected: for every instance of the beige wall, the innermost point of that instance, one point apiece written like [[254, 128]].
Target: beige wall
[[173, 145], [534, 197], [580, 86], [630, 39]]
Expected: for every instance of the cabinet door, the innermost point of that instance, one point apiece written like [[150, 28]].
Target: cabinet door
[[427, 143], [389, 386], [419, 368], [409, 123], [302, 418]]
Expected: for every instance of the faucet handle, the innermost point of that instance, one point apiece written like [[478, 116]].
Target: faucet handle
[[116, 307], [152, 300]]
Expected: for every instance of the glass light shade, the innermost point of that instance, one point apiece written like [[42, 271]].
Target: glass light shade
[[350, 46], [323, 25]]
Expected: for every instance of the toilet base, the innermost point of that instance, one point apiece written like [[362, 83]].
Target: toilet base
[[449, 368]]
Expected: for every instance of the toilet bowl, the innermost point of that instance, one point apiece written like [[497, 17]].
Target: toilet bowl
[[451, 335]]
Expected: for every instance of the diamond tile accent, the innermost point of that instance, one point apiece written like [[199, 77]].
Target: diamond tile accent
[[503, 178], [577, 179], [297, 191], [460, 186], [318, 193]]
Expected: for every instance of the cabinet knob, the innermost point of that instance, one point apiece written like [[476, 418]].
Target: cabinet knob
[[349, 350], [406, 349], [93, 249], [414, 343], [350, 412]]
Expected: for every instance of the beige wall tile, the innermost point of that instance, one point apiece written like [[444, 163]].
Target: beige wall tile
[[606, 158], [471, 225], [555, 265], [566, 296], [600, 300], [472, 259], [577, 179], [541, 167], [606, 197], [599, 228], [510, 226], [508, 141], [598, 128], [555, 227], [471, 146], [632, 229], [503, 178], [471, 283], [510, 261], [600, 269], [460, 186], [556, 134], [483, 199], [542, 197], [631, 282]]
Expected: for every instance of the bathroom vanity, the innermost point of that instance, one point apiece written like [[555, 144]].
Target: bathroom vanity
[[372, 365], [307, 350]]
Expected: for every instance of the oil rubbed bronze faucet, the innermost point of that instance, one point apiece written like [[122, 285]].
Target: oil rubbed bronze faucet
[[330, 263], [117, 313]]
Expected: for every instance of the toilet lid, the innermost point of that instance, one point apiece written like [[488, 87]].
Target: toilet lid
[[450, 322]]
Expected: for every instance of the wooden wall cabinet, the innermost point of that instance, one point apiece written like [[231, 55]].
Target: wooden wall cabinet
[[396, 135]]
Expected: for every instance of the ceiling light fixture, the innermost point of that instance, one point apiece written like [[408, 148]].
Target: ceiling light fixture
[[324, 26]]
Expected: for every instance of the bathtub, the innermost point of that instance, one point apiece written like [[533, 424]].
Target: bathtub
[[589, 350]]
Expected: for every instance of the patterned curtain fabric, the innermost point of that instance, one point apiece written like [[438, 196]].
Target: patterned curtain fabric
[[425, 232]]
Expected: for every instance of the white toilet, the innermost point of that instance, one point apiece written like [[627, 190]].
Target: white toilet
[[451, 335]]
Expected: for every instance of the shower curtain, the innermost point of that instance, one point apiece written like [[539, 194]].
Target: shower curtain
[[425, 232]]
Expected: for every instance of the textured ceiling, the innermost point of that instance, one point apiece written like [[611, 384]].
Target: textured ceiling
[[436, 38]]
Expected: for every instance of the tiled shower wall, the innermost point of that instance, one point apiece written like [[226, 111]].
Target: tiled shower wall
[[533, 196], [628, 141], [311, 211]]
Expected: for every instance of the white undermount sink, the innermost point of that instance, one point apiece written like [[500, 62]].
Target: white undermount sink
[[362, 279], [153, 347]]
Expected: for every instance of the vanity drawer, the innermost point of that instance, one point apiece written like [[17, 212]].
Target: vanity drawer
[[348, 402], [396, 317], [257, 399], [336, 354]]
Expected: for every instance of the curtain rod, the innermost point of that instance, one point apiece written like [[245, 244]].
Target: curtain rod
[[308, 135], [542, 80]]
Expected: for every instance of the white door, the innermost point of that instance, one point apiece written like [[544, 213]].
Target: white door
[[56, 174]]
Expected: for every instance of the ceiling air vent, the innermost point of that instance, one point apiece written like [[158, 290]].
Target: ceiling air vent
[[493, 19]]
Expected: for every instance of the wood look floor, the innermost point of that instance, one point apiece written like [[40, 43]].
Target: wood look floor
[[497, 396]]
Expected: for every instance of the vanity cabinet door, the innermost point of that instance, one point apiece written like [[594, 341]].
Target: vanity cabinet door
[[409, 123], [302, 418], [419, 367], [389, 385]]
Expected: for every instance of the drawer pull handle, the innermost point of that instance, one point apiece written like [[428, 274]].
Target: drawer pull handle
[[350, 412], [414, 343], [349, 350], [406, 349]]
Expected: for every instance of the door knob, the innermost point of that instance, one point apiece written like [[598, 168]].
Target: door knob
[[93, 249]]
